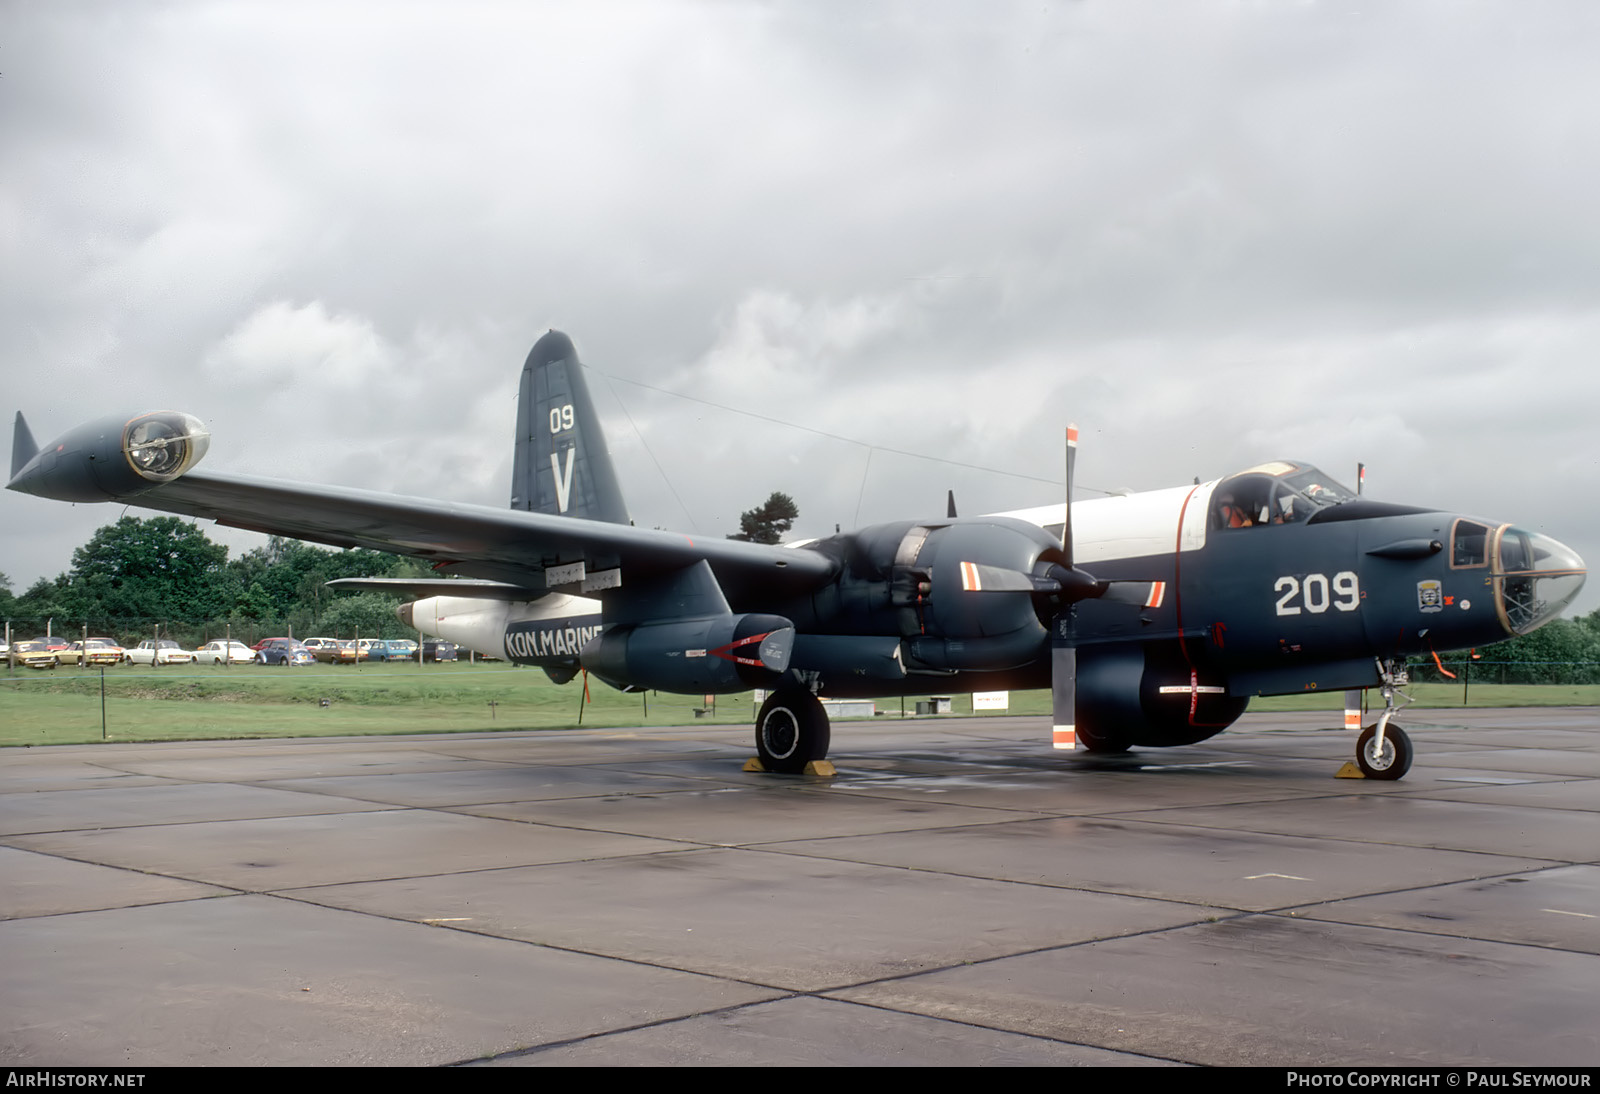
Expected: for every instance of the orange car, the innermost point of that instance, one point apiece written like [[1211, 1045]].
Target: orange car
[[332, 651]]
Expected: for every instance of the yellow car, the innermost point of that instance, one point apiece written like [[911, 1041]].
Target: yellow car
[[102, 651], [35, 655]]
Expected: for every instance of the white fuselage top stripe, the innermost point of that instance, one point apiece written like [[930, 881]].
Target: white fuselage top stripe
[[1130, 525]]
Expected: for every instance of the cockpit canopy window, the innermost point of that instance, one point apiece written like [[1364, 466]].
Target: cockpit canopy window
[[1275, 493], [1469, 544]]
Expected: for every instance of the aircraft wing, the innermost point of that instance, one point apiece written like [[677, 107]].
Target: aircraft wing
[[536, 551]]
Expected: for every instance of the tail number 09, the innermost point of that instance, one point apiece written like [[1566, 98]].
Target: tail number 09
[[1314, 592], [560, 418]]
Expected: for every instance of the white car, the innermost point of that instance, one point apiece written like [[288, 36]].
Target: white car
[[167, 653], [220, 651]]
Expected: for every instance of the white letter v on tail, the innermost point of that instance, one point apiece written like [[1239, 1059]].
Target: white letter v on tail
[[563, 479]]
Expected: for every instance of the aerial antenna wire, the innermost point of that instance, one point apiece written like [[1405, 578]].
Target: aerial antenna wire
[[839, 436], [651, 453], [864, 472]]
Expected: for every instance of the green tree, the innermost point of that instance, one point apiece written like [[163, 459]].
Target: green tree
[[768, 522], [373, 614], [1564, 651], [34, 609], [292, 577], [254, 605], [137, 570]]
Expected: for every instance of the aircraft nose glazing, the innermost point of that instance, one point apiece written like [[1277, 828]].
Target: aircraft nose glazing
[[1535, 578]]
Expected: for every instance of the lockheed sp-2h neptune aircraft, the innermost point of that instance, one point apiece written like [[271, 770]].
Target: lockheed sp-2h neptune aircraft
[[1154, 617]]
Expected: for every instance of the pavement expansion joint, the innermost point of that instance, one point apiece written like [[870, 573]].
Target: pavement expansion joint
[[1028, 930]]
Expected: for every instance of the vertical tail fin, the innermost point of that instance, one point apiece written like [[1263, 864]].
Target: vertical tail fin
[[23, 447], [560, 465]]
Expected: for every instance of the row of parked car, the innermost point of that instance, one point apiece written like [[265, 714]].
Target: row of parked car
[[48, 652]]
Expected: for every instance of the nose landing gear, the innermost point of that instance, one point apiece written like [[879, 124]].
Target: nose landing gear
[[1383, 750]]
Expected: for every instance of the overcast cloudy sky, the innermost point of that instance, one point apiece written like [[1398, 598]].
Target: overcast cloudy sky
[[1211, 232]]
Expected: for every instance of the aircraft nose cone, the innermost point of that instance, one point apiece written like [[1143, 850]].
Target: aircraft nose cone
[[1576, 558], [1536, 577], [404, 612]]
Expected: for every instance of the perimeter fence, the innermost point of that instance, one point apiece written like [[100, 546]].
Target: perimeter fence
[[73, 704], [202, 702], [1487, 670]]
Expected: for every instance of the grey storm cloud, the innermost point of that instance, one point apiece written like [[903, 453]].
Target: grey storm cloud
[[1211, 233]]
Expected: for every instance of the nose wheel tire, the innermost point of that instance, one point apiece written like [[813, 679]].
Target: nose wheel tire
[[1390, 762], [791, 731]]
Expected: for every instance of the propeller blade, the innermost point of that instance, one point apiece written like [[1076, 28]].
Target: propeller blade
[[1066, 512], [1063, 684], [950, 505], [1075, 585]]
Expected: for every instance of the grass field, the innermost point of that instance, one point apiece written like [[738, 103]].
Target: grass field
[[204, 703]]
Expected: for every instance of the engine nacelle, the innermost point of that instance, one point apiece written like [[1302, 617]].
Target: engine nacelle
[[964, 593], [1138, 694], [115, 458], [721, 653], [839, 659]]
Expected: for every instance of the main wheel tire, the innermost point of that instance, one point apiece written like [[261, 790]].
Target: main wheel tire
[[1392, 762], [791, 731], [1100, 744]]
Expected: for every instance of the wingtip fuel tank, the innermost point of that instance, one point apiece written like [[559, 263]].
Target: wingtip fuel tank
[[113, 458]]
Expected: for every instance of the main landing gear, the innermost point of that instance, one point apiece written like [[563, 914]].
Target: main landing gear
[[1384, 751], [791, 731]]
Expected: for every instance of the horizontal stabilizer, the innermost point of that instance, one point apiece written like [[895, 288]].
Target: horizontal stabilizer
[[23, 446], [419, 587]]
